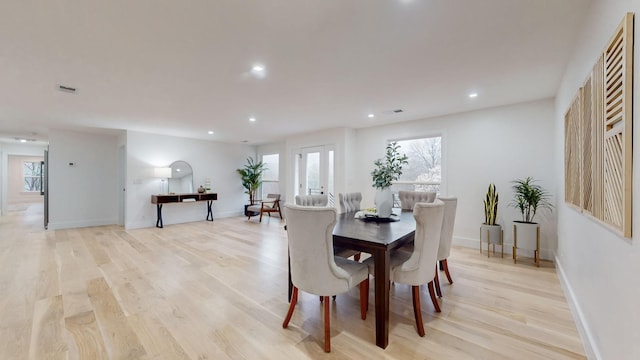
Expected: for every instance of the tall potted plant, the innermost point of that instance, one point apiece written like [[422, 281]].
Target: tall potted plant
[[529, 198], [387, 170], [251, 176], [490, 232]]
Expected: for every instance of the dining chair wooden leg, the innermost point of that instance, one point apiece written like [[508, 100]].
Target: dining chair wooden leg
[[327, 325], [292, 305], [356, 257], [417, 312], [446, 270], [436, 280], [433, 297], [364, 298]]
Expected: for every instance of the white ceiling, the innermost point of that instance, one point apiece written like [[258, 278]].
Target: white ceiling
[[181, 67]]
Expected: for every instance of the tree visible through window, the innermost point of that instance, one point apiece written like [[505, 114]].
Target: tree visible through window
[[424, 170], [32, 172]]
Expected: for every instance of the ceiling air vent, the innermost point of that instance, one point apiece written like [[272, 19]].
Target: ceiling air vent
[[391, 112], [67, 89]]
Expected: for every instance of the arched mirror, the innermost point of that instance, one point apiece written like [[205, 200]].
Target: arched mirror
[[181, 180]]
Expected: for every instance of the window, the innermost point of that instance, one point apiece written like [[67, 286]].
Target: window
[[424, 170], [271, 176], [32, 172]]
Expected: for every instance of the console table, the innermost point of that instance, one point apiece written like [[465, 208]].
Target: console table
[[160, 200]]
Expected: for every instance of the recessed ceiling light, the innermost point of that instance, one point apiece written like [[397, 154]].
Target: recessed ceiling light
[[210, 132], [473, 95], [23, 140], [370, 115], [252, 119], [259, 71]]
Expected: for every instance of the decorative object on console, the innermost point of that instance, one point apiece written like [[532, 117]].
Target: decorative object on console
[[387, 171], [201, 189], [207, 185], [181, 181], [163, 174]]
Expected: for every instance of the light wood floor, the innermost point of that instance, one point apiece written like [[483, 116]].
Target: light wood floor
[[217, 290]]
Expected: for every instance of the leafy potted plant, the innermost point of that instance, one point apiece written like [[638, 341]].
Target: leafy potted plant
[[529, 198], [387, 170], [251, 176], [490, 232]]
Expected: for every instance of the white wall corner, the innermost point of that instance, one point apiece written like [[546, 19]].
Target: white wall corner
[[582, 325]]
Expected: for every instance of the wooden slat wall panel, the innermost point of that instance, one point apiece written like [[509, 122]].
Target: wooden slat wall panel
[[585, 127], [617, 133], [572, 154], [598, 136]]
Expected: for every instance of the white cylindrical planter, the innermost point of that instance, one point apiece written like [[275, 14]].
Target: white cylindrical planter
[[384, 202], [526, 236], [491, 234]]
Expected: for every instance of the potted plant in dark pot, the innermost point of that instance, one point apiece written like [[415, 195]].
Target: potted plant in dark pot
[[529, 198], [387, 171], [251, 176], [490, 232]]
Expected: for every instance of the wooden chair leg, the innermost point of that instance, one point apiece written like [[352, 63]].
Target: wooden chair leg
[[433, 297], [260, 216], [327, 326], [436, 280], [292, 305], [417, 312], [446, 270], [356, 257], [364, 298]]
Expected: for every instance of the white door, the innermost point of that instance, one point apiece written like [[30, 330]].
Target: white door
[[315, 171]]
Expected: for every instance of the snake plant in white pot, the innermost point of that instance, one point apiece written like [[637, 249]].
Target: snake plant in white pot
[[387, 170], [490, 232], [529, 198]]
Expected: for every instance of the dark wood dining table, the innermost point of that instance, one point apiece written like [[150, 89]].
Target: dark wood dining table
[[377, 238]]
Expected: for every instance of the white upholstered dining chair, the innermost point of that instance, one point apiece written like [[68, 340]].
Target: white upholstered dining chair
[[446, 238], [312, 200], [349, 201], [410, 198], [314, 268], [416, 268]]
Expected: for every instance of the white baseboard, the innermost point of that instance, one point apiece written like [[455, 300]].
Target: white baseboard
[[81, 223], [586, 336], [152, 223], [545, 254]]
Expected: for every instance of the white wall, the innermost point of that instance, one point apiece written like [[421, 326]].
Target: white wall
[[85, 194], [600, 270], [208, 159], [493, 145]]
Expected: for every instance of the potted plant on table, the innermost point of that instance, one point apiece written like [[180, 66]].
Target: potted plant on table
[[251, 176], [387, 170], [490, 232], [529, 198]]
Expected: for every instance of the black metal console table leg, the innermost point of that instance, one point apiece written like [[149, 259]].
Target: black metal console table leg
[[159, 216], [209, 211]]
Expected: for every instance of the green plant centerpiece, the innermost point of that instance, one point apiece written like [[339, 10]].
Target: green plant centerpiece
[[251, 176], [529, 198], [490, 232], [387, 170]]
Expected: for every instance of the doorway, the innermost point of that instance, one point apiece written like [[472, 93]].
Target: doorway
[[316, 171]]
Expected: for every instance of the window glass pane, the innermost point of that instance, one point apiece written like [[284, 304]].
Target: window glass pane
[[425, 163], [31, 171]]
